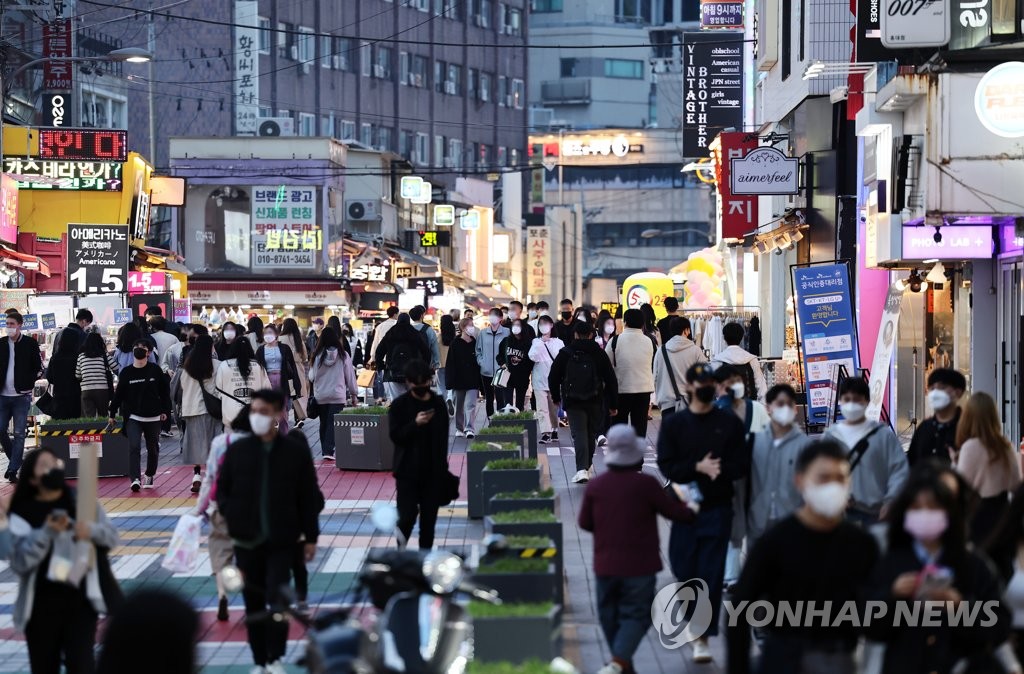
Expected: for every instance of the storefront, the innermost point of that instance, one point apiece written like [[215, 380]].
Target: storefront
[[214, 302]]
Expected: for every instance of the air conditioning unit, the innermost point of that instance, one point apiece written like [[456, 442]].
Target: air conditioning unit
[[378, 71], [336, 62], [416, 80], [306, 67], [449, 88], [362, 209], [294, 52], [276, 126]]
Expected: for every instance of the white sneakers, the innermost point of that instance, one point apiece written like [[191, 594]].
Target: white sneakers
[[581, 476], [275, 668], [701, 651], [611, 668], [470, 435], [602, 441], [460, 434]]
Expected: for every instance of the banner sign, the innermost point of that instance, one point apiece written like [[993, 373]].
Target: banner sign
[[713, 89], [909, 24], [959, 242], [764, 170], [49, 321], [97, 258], [30, 322], [824, 313], [432, 285], [8, 210], [247, 67], [737, 212], [884, 348], [538, 255], [57, 42], [91, 176], [285, 229], [721, 14]]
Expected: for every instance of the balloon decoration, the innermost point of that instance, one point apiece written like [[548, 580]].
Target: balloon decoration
[[704, 276]]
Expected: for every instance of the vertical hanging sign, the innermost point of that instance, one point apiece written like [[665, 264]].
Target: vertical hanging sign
[[712, 88], [738, 212], [247, 67], [58, 74], [538, 251]]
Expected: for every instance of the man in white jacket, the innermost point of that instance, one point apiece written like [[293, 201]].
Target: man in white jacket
[[632, 354], [678, 354], [382, 330], [736, 356]]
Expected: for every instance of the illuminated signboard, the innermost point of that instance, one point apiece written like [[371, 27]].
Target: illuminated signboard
[[147, 282], [292, 240], [84, 144], [86, 176], [435, 239], [444, 215]]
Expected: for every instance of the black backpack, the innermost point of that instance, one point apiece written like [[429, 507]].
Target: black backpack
[[582, 382], [749, 383], [399, 357]]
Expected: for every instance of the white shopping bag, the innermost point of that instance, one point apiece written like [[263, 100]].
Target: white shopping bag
[[183, 552]]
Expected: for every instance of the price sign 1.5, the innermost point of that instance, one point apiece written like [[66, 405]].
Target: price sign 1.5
[[97, 258]]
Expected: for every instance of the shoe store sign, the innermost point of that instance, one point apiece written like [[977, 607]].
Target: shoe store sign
[[764, 170]]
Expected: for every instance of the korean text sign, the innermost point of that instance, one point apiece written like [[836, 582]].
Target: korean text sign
[[828, 336], [738, 212], [97, 258], [538, 253], [285, 230]]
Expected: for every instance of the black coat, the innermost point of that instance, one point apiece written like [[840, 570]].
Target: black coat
[[461, 371], [421, 452], [28, 362], [604, 370], [514, 355], [289, 371], [937, 649], [291, 501], [67, 390], [397, 335]]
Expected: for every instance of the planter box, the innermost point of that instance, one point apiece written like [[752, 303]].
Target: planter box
[[520, 587], [531, 426], [362, 442], [518, 639], [475, 462], [498, 481], [112, 463], [521, 439], [552, 530], [504, 505]]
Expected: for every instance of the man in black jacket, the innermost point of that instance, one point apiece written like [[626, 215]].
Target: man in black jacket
[[143, 396], [418, 422], [936, 436], [268, 493], [21, 364], [579, 377]]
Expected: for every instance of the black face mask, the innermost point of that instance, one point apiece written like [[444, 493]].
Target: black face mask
[[191, 340], [420, 391], [140, 353], [705, 394], [566, 315], [53, 479]]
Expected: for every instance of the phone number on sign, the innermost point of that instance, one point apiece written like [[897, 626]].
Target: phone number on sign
[[284, 259]]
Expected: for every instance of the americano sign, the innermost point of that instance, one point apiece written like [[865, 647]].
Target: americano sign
[[764, 170]]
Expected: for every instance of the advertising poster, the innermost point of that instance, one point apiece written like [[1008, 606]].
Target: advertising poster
[[285, 230], [828, 333], [884, 348]]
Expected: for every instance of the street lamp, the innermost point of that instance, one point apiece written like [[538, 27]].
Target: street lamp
[[654, 233]]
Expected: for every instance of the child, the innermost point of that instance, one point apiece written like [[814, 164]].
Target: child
[[621, 508]]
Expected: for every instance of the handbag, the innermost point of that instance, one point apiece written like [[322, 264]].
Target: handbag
[[501, 377], [449, 488], [312, 408], [214, 407], [46, 404], [365, 378]]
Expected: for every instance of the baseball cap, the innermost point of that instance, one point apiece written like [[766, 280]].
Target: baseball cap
[[700, 373]]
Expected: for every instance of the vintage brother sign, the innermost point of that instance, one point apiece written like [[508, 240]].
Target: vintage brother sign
[[765, 170]]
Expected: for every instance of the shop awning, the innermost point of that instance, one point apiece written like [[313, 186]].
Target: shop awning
[[312, 292], [486, 297], [24, 261], [427, 265], [378, 287]]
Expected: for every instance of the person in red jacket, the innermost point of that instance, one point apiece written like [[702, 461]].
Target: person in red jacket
[[621, 507]]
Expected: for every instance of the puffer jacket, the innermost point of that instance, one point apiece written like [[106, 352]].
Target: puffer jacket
[[333, 378], [682, 354]]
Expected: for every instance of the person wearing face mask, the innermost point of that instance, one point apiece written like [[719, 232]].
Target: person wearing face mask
[[488, 346], [268, 493], [936, 436], [462, 376], [192, 386], [677, 355], [877, 461], [773, 494], [928, 559], [542, 352], [705, 447], [58, 618], [531, 312], [515, 313], [429, 334], [543, 309], [418, 423], [228, 334], [21, 364], [514, 355], [279, 362], [143, 397], [809, 555], [236, 378], [605, 329], [744, 361], [564, 326]]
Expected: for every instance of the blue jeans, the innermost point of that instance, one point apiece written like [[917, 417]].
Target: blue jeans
[[698, 550], [16, 408], [624, 609]]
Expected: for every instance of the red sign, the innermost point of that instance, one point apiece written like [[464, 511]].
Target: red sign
[[57, 75], [80, 439], [8, 210], [147, 282], [83, 144], [738, 212]]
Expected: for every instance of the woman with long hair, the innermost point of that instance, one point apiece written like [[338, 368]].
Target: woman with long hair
[[94, 376], [60, 373], [229, 332], [333, 378], [254, 332], [291, 337], [651, 323], [121, 357], [447, 337], [929, 560], [514, 355], [58, 617], [201, 427], [279, 362], [463, 378], [987, 461], [344, 335], [543, 351], [237, 378], [605, 329]]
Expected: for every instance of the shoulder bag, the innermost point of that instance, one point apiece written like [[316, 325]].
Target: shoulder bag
[[214, 407], [680, 398]]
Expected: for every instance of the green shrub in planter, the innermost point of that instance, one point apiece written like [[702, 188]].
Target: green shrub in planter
[[526, 633], [526, 542], [505, 667], [506, 434], [362, 439], [55, 435], [518, 580], [532, 523], [508, 474], [526, 420], [478, 456], [543, 499]]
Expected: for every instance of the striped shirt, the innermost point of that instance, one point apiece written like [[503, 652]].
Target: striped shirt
[[93, 373]]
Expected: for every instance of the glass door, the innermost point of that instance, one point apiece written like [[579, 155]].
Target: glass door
[[1011, 350]]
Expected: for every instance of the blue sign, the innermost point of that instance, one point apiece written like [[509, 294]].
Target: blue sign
[[31, 322], [49, 321], [122, 316], [828, 334]]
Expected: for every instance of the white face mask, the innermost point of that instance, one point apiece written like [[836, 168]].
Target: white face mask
[[852, 411], [783, 415], [260, 423], [270, 338], [738, 389], [545, 329], [229, 335], [494, 319], [828, 500], [544, 313], [516, 329], [939, 399], [12, 332], [609, 328], [532, 313], [470, 330], [513, 315]]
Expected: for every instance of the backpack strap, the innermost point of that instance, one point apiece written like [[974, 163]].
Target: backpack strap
[[671, 373], [749, 419], [615, 340], [858, 451]]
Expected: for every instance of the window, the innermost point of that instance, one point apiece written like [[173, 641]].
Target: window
[[422, 5], [327, 125], [503, 97], [514, 158], [484, 90], [307, 124], [384, 139], [485, 156], [103, 109], [454, 153], [440, 71], [481, 13], [264, 35], [621, 68], [383, 68], [365, 58], [307, 44], [471, 83], [404, 67], [568, 67], [453, 83], [285, 41], [348, 130], [540, 6], [518, 94], [451, 10], [438, 151], [420, 151], [266, 111], [633, 11], [406, 143], [326, 51], [510, 20], [420, 71], [502, 156], [366, 134], [342, 59]]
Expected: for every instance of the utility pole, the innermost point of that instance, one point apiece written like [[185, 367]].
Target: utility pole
[[151, 48]]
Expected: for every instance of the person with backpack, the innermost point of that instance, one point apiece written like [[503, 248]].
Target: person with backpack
[[632, 355], [542, 353], [753, 378], [400, 346], [200, 408], [488, 346], [677, 355], [877, 461], [416, 317], [581, 379]]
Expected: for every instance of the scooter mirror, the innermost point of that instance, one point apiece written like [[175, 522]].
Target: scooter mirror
[[231, 579], [495, 543], [384, 517]]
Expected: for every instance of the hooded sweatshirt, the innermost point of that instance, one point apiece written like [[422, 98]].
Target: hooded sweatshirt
[[333, 378], [543, 355], [682, 354], [773, 493], [883, 468], [735, 355]]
